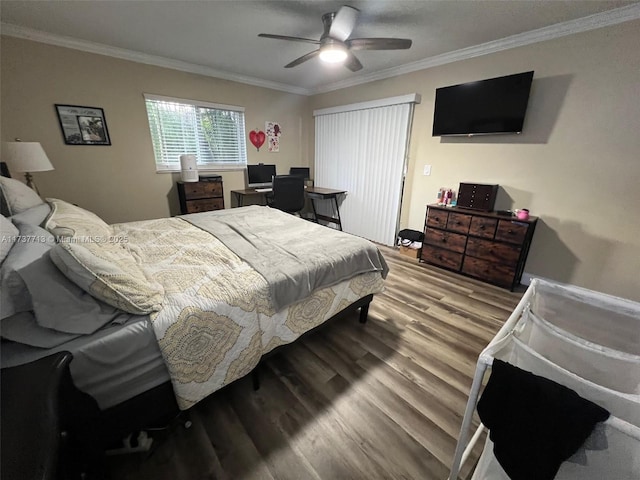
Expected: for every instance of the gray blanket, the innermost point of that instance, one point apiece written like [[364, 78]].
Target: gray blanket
[[295, 256]]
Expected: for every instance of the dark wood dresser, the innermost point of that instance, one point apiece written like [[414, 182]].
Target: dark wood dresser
[[483, 245], [202, 196]]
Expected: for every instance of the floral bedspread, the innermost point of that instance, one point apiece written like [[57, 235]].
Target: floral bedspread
[[218, 317]]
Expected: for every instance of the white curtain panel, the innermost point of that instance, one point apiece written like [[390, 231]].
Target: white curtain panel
[[363, 152]]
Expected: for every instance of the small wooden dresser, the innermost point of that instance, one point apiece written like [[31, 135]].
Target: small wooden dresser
[[484, 245], [201, 196]]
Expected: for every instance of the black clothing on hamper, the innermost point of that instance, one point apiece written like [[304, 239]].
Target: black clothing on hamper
[[534, 423]]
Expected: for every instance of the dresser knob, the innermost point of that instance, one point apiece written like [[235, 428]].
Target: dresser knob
[[481, 227]]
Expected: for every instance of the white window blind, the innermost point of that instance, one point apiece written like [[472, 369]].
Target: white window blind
[[362, 148], [214, 133]]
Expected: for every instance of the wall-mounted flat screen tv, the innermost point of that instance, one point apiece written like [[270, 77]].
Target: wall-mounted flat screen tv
[[486, 107]]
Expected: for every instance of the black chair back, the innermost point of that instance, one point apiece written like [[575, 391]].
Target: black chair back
[[288, 193]]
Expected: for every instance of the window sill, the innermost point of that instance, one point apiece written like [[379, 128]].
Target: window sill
[[209, 170]]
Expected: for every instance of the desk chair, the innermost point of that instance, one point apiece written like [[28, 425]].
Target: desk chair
[[288, 193]]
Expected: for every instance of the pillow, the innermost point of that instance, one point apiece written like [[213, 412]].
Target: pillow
[[61, 305], [67, 220], [18, 196], [32, 243], [8, 234], [34, 215], [110, 273]]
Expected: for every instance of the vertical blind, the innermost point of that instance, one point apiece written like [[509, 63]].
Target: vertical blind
[[214, 133], [363, 152]]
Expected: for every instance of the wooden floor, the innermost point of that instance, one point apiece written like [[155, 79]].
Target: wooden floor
[[382, 400]]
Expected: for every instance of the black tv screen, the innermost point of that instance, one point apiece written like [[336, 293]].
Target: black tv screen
[[496, 105]]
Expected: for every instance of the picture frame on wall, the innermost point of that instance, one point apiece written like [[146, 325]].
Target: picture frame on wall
[[83, 125]]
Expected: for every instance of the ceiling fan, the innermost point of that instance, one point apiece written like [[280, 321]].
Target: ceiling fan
[[335, 44]]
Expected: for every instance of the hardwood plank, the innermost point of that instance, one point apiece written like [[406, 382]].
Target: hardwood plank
[[237, 453], [335, 433], [261, 419], [399, 454], [422, 429]]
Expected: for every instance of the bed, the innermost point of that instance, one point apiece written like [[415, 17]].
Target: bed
[[184, 305]]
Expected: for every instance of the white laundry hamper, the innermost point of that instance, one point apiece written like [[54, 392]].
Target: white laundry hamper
[[586, 341]]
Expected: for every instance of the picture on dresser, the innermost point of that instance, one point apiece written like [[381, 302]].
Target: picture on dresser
[[83, 125]]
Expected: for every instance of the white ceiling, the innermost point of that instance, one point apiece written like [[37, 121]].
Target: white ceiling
[[219, 37]]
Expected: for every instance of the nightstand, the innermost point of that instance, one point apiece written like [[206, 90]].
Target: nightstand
[[202, 196]]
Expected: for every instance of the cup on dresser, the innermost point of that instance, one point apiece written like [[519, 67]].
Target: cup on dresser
[[522, 214]]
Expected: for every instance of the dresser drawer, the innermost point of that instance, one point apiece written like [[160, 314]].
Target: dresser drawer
[[193, 190], [498, 274], [450, 241], [483, 227], [437, 218], [493, 251], [512, 231], [212, 189], [205, 205], [441, 257], [458, 222]]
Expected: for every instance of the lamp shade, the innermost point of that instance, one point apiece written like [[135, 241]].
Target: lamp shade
[[26, 157]]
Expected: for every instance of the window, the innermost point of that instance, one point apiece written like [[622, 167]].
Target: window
[[214, 133]]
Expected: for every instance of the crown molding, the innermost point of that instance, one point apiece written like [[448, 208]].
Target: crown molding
[[591, 22], [131, 55]]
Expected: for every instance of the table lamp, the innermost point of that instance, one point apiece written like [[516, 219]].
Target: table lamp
[[26, 157]]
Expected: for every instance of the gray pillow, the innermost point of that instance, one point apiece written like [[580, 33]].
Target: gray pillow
[[8, 234], [32, 243], [22, 328], [59, 304], [34, 215], [18, 196]]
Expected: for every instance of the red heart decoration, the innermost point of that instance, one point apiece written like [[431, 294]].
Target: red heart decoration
[[257, 137]]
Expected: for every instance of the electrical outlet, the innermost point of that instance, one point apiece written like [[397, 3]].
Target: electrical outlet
[[427, 170]]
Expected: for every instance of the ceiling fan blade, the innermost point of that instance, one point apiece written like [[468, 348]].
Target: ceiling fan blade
[[293, 39], [378, 43], [343, 23], [302, 59], [352, 63]]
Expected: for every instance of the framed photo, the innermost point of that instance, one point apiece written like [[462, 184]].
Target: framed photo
[[83, 125]]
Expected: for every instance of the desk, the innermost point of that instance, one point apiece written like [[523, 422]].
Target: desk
[[319, 193], [248, 192], [314, 193]]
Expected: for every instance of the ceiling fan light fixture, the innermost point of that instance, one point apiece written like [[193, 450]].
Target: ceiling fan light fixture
[[333, 53]]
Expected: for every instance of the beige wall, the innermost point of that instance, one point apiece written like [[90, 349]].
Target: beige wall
[[119, 182], [576, 165]]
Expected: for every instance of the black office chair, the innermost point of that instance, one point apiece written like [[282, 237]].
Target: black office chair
[[288, 193]]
